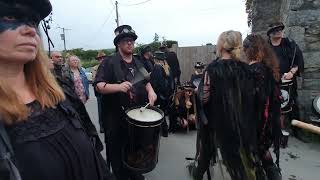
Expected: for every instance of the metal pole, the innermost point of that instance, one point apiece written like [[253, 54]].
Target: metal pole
[[64, 40], [63, 36], [117, 14]]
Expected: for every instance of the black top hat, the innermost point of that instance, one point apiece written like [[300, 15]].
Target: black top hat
[[123, 32], [145, 49], [275, 26], [199, 65], [41, 7], [159, 55]]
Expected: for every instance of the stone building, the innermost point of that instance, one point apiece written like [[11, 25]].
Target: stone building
[[302, 21]]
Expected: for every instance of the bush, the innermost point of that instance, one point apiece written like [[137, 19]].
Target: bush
[[89, 63], [87, 55], [171, 42]]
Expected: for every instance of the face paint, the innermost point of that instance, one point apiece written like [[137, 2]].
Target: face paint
[[13, 17], [14, 24]]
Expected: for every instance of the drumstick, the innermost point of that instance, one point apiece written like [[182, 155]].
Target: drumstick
[[143, 108], [306, 126]]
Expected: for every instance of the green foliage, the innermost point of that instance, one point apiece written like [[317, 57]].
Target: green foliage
[[155, 46], [156, 37], [138, 48], [89, 63], [86, 55], [171, 42]]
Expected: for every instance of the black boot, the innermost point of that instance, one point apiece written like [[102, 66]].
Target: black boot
[[273, 172]]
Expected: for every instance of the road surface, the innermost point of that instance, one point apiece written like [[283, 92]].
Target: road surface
[[299, 161]]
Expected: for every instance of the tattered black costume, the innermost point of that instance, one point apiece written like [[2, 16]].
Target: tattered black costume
[[290, 56], [268, 116], [230, 119]]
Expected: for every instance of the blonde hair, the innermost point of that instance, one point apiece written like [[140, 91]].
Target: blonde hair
[[231, 42], [164, 65], [41, 83], [73, 56]]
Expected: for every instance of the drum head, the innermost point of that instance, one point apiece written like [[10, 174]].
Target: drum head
[[316, 104], [285, 98], [148, 117], [286, 80]]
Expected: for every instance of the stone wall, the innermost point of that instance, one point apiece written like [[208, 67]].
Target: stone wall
[[302, 20], [188, 56]]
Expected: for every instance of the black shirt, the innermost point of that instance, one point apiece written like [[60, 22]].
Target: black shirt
[[147, 64], [283, 59], [289, 55]]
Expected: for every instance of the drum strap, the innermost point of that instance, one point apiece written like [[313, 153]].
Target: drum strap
[[294, 55]]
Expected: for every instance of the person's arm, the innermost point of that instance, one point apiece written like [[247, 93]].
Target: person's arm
[[106, 88], [104, 81], [206, 89], [152, 96], [298, 64]]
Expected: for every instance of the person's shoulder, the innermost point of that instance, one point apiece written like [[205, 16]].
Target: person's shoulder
[[288, 41]]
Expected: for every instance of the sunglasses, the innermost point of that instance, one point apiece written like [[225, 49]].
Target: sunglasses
[[127, 40]]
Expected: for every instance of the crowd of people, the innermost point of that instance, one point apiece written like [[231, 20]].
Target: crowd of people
[[235, 103]]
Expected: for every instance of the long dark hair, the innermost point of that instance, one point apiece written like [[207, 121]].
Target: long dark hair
[[258, 49]]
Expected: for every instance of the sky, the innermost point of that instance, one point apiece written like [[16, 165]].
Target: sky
[[190, 22]]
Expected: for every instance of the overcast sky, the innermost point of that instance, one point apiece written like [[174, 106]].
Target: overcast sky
[[190, 22]]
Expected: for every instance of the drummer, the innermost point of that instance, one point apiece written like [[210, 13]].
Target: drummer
[[291, 64], [113, 81]]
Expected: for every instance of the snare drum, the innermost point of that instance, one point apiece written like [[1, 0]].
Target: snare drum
[[286, 94], [141, 151]]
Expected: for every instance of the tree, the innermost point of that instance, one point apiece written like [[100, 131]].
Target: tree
[[170, 43], [156, 37]]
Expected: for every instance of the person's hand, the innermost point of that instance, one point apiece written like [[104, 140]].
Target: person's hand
[[125, 86], [152, 97], [288, 76]]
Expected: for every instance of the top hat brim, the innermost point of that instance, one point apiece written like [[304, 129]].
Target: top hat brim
[[270, 30], [124, 35]]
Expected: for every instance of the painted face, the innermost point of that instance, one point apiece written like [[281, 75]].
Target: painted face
[[13, 17], [19, 38], [277, 33]]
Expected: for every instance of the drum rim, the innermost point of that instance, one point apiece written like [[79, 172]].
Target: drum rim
[[315, 100], [142, 123]]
